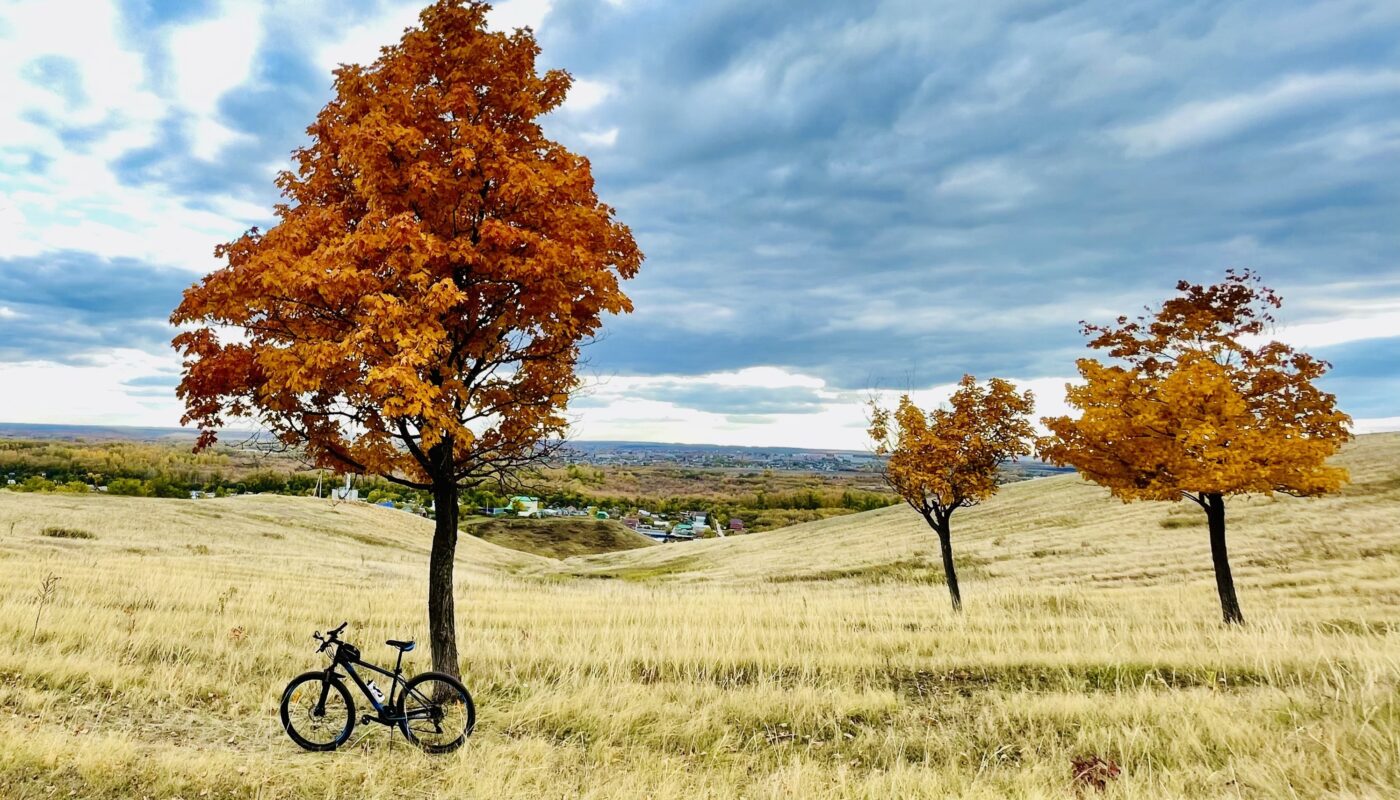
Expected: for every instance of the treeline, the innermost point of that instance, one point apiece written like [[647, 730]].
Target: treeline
[[794, 500], [62, 463], [137, 469], [140, 469], [760, 510]]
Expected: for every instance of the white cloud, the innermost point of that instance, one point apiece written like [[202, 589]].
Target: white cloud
[[512, 14], [1200, 122], [212, 56], [77, 201], [43, 392], [112, 78], [1378, 325], [993, 185], [80, 204], [586, 94], [1357, 143], [621, 408], [606, 138], [1376, 425], [360, 44]]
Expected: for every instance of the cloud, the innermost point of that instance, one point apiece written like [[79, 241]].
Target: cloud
[[1359, 326], [992, 184], [606, 138], [1365, 375], [585, 95], [1203, 121], [88, 394], [763, 405], [207, 60], [69, 307], [863, 195]]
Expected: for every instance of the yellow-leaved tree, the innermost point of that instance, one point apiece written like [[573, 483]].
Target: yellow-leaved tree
[[418, 309], [1201, 405], [950, 458]]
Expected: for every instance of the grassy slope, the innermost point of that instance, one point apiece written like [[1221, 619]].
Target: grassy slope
[[1062, 531], [818, 661], [557, 538]]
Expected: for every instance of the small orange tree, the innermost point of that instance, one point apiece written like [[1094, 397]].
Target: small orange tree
[[949, 458], [418, 309], [1193, 410]]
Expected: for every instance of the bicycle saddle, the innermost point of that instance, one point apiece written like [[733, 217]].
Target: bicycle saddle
[[404, 646]]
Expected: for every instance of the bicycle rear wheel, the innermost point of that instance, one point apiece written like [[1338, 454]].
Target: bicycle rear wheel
[[437, 713], [317, 714]]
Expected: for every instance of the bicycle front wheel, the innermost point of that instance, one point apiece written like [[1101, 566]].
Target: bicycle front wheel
[[436, 712], [318, 714]]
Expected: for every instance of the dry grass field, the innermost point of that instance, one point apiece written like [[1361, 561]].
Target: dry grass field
[[811, 662]]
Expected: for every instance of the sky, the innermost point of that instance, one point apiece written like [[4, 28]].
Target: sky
[[836, 199]]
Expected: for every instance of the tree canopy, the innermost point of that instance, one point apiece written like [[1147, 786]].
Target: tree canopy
[[434, 268], [950, 458], [1200, 402], [418, 309]]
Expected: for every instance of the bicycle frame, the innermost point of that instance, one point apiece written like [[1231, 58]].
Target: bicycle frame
[[396, 679], [382, 710]]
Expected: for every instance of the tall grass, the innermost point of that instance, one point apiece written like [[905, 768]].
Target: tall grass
[[818, 661]]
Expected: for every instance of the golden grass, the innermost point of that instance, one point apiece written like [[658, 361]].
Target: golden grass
[[816, 661]]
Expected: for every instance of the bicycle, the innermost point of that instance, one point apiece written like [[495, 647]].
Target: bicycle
[[433, 710]]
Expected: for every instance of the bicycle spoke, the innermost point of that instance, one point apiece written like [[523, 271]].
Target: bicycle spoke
[[437, 715], [317, 713]]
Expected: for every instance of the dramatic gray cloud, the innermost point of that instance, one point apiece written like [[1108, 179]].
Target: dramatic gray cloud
[[68, 306], [868, 193]]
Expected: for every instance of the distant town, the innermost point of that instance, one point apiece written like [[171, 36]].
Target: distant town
[[682, 526], [642, 454]]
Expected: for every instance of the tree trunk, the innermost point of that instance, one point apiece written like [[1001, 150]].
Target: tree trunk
[[1224, 582], [442, 609], [945, 541]]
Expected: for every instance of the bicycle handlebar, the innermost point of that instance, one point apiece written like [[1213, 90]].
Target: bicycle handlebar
[[331, 637]]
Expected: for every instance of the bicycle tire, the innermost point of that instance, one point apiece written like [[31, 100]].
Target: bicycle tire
[[462, 708], [289, 715]]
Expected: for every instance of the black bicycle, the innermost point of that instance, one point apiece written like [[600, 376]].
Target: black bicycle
[[433, 709]]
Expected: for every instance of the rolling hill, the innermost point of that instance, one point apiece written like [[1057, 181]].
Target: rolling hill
[[557, 538], [1063, 532], [815, 661]]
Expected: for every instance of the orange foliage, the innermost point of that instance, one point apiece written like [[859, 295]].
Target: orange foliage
[[949, 458], [1200, 404], [418, 309]]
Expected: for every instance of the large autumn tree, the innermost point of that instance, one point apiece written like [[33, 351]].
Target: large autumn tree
[[418, 309], [1200, 405], [950, 457]]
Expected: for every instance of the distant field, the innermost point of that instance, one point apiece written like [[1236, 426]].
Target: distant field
[[763, 498], [811, 662]]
